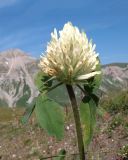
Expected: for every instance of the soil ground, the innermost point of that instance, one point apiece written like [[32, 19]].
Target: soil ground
[[30, 142]]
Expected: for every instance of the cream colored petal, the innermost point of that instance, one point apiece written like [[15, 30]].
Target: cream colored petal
[[89, 75]]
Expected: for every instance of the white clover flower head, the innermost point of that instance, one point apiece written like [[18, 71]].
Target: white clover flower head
[[69, 56]]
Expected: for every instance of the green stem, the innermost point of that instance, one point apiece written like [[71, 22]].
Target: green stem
[[77, 120]]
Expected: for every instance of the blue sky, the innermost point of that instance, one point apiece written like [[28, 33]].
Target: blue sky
[[27, 24]]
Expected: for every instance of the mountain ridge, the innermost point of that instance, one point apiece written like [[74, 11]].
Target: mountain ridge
[[16, 75], [17, 71]]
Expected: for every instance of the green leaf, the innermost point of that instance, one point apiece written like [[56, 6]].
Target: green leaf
[[89, 88], [50, 116], [94, 82], [95, 99], [61, 155], [97, 78], [42, 81], [88, 119], [27, 114]]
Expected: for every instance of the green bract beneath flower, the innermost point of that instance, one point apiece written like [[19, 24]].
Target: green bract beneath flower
[[70, 57]]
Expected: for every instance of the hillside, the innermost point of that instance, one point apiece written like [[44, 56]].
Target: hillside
[[17, 71], [115, 77]]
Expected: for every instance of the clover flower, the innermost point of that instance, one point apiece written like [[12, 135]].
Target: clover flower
[[69, 56]]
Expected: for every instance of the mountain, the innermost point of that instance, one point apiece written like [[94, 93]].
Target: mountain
[[17, 71], [115, 77]]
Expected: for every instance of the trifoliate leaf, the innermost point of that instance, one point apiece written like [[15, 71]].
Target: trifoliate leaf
[[88, 119], [50, 116]]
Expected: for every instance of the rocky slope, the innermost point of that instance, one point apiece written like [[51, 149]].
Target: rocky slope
[[115, 77], [17, 71]]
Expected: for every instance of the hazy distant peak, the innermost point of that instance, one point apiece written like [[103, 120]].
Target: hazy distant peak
[[13, 53], [17, 71]]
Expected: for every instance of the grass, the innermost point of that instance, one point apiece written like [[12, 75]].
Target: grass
[[8, 114]]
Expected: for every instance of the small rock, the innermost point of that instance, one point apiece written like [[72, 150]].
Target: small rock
[[14, 155], [44, 151], [50, 147], [67, 128]]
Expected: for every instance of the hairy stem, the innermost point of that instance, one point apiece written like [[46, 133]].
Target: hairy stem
[[77, 121]]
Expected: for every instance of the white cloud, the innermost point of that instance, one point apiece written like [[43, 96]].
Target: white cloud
[[5, 3]]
